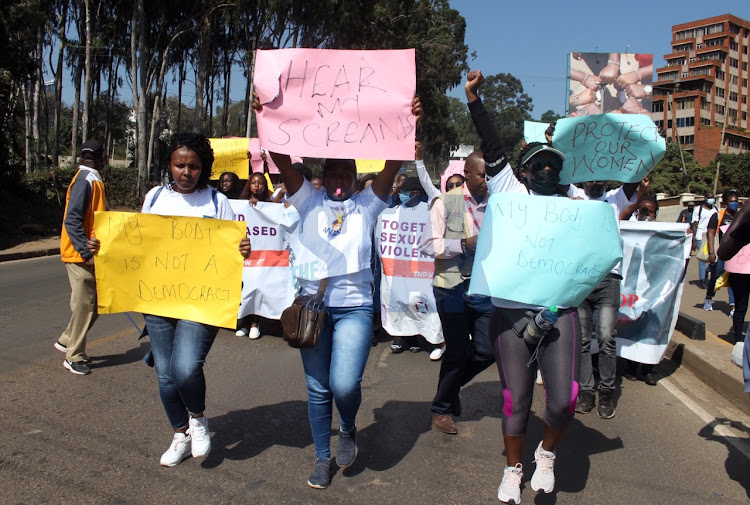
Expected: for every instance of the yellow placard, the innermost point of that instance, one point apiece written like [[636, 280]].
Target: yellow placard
[[367, 166], [231, 155], [170, 266]]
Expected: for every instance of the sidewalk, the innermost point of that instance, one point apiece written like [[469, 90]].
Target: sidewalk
[[710, 359]]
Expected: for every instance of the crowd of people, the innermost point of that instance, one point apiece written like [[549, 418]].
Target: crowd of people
[[338, 214]]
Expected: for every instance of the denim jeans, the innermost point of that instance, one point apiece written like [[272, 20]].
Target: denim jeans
[[333, 372], [180, 348], [600, 309], [702, 270], [715, 271], [464, 357]]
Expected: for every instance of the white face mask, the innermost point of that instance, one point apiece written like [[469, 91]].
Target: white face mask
[[711, 201]]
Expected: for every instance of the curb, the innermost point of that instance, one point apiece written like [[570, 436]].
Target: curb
[[705, 362], [52, 251], [692, 328]]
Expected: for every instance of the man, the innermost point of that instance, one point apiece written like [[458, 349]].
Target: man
[[85, 196], [456, 218], [600, 309], [686, 215], [715, 267], [700, 225]]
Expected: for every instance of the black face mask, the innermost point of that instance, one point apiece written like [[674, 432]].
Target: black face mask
[[595, 190], [544, 182]]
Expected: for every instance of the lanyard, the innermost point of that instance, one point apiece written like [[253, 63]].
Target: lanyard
[[471, 211]]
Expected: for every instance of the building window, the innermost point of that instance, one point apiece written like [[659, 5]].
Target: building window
[[685, 121], [686, 103], [734, 62], [657, 106], [733, 96], [659, 123], [719, 92], [733, 79], [744, 116], [720, 74], [669, 123], [744, 83], [734, 142], [669, 76], [705, 121], [734, 46], [687, 139], [720, 109], [744, 65], [698, 71], [705, 104], [744, 98]]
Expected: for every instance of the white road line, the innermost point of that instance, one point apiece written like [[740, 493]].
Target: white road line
[[706, 417]]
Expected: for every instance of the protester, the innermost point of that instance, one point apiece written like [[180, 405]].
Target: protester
[[424, 178], [686, 215], [317, 182], [85, 196], [229, 185], [699, 226], [180, 346], [336, 226], [455, 221], [737, 237], [600, 310], [558, 354], [719, 220]]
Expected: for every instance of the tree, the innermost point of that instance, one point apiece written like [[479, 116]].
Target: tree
[[550, 116], [667, 176], [460, 120], [733, 172], [508, 106]]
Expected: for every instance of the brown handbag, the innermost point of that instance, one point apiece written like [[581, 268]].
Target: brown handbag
[[303, 322]]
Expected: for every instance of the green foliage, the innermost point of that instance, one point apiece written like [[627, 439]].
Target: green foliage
[[668, 177], [460, 119], [550, 116], [508, 106], [734, 172]]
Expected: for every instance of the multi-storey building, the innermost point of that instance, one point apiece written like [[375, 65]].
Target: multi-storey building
[[704, 85]]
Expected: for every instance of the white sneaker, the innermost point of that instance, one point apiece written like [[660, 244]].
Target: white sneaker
[[539, 379], [544, 475], [179, 450], [731, 311], [198, 431], [708, 304], [437, 353], [254, 333], [510, 487], [242, 332]]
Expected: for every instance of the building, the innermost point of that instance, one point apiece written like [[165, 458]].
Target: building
[[705, 76]]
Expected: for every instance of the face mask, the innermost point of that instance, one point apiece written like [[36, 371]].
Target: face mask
[[733, 206], [544, 182], [404, 197], [595, 190], [711, 201]]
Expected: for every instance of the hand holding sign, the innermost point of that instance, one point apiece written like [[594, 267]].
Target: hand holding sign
[[354, 103], [608, 147]]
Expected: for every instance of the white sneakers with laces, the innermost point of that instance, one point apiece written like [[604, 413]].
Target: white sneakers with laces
[[198, 430], [544, 475], [510, 487], [178, 450]]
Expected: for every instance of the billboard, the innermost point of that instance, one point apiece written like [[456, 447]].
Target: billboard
[[609, 82]]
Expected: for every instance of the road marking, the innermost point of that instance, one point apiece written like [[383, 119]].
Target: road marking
[[720, 429]]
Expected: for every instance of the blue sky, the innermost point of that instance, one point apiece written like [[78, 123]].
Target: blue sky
[[531, 40]]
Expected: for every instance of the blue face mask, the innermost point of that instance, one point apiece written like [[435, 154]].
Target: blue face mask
[[733, 206], [711, 201], [404, 197]]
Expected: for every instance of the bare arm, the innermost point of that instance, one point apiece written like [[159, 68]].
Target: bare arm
[[730, 245]]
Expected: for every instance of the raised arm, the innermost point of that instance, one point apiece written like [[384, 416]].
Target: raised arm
[[492, 147], [424, 177]]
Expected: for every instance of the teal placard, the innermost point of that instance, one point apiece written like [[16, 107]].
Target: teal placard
[[608, 147], [534, 131], [543, 250]]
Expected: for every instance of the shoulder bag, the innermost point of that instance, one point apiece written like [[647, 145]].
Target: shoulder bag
[[303, 322]]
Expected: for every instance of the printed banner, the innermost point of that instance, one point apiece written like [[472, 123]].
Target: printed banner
[[407, 303], [231, 155], [608, 147], [609, 82], [740, 263], [181, 267], [356, 104], [653, 270], [267, 284], [544, 251], [534, 131]]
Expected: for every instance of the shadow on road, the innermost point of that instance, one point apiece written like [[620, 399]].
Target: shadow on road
[[736, 462], [130, 356]]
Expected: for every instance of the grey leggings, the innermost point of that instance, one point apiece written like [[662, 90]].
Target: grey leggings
[[558, 358]]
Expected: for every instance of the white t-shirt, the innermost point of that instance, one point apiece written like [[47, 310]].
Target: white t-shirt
[[701, 216], [339, 234], [203, 202]]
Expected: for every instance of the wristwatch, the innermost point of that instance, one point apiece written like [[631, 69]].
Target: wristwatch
[[648, 89]]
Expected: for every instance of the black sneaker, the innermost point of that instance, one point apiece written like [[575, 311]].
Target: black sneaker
[[347, 450], [585, 402], [399, 345], [77, 367], [606, 407], [321, 476]]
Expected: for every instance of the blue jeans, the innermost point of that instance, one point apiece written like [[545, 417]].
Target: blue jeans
[[333, 371], [714, 272], [600, 309], [702, 270], [180, 348]]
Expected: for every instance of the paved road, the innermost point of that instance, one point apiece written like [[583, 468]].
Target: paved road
[[97, 439]]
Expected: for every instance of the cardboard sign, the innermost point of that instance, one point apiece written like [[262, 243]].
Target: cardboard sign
[[368, 166], [230, 155], [169, 266], [326, 102], [544, 251], [534, 131], [608, 147]]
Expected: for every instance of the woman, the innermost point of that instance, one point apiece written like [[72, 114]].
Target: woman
[[179, 346], [256, 190], [336, 225], [229, 185], [558, 354]]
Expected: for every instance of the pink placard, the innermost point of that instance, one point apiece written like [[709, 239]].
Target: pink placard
[[740, 263], [336, 103], [256, 162], [455, 167]]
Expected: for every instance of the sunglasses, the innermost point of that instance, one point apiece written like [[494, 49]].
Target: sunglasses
[[451, 185], [645, 211], [540, 163]]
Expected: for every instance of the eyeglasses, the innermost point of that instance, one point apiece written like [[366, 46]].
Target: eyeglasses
[[451, 185], [540, 163], [645, 211]]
